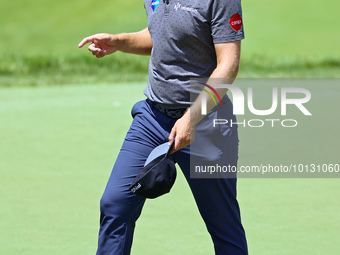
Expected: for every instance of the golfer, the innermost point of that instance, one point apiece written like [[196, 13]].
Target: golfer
[[186, 39]]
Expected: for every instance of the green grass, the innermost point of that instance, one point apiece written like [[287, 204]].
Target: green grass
[[43, 71], [58, 145], [39, 41], [56, 27], [278, 29], [285, 28], [60, 137]]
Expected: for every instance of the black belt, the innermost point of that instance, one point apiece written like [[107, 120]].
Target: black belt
[[174, 113]]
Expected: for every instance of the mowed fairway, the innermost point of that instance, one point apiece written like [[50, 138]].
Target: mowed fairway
[[58, 145], [64, 115]]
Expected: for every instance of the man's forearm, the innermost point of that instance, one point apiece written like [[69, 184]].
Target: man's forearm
[[228, 56], [136, 43], [225, 73]]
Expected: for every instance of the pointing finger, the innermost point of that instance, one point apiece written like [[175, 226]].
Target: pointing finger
[[86, 40]]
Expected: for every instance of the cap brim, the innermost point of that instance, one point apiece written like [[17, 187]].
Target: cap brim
[[162, 149]]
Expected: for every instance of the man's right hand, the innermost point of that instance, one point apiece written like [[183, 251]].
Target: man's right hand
[[101, 44]]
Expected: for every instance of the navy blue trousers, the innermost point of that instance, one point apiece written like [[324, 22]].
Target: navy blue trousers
[[215, 197]]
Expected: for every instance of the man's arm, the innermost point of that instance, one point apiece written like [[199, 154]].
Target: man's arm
[[228, 58], [104, 44]]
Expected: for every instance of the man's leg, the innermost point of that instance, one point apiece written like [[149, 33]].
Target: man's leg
[[216, 197], [120, 208], [216, 201]]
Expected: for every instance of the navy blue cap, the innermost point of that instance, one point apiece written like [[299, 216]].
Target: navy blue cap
[[158, 174]]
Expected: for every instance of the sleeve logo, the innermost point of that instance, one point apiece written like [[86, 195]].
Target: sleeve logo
[[236, 22], [154, 4]]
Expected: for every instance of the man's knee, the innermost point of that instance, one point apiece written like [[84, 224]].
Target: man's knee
[[111, 204], [121, 205]]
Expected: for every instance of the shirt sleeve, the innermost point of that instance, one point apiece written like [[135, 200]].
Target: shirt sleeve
[[226, 21]]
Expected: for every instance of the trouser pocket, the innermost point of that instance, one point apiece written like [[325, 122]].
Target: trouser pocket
[[136, 108]]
